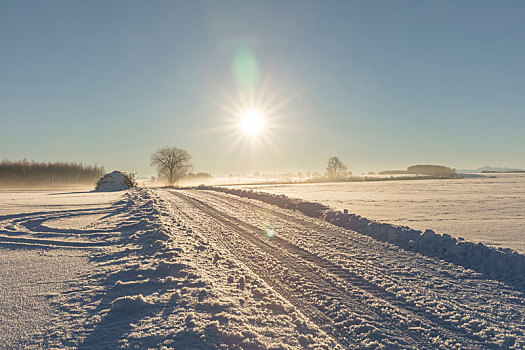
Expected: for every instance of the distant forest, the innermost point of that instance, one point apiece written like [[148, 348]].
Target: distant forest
[[429, 170], [32, 174], [432, 170]]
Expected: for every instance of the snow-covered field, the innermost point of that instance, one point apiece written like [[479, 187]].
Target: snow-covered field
[[194, 269], [488, 210], [45, 242]]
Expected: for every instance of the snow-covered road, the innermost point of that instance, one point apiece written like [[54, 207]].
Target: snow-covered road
[[359, 291], [196, 269]]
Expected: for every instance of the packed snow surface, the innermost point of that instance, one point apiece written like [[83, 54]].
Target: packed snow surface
[[198, 269], [44, 245], [487, 210]]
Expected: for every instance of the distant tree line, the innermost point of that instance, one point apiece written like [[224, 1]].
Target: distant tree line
[[194, 176], [432, 170], [31, 173], [392, 172]]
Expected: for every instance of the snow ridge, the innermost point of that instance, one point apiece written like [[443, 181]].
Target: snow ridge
[[501, 263]]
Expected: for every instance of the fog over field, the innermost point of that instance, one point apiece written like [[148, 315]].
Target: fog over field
[[489, 210]]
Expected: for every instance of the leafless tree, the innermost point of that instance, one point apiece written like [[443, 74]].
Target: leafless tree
[[335, 168], [172, 163]]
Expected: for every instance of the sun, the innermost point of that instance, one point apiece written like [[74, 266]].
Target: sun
[[252, 122]]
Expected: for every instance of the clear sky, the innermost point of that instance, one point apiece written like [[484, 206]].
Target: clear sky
[[381, 84]]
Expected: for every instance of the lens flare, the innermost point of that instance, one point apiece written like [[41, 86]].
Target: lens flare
[[245, 68], [270, 232]]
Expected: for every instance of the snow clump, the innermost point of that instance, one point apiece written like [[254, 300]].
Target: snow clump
[[115, 181], [129, 303]]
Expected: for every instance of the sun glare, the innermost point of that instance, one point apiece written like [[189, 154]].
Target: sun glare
[[252, 122]]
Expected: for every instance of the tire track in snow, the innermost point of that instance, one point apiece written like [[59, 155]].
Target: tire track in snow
[[339, 234], [29, 230], [344, 288], [49, 242], [308, 309]]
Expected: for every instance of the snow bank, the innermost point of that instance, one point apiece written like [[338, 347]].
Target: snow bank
[[115, 181], [501, 263]]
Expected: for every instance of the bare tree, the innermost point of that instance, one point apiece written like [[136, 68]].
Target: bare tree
[[172, 163], [335, 168]]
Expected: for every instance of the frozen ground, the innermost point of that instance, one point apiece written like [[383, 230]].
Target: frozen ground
[[205, 270], [488, 210], [45, 244]]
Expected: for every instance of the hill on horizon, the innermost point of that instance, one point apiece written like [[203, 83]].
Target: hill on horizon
[[488, 168]]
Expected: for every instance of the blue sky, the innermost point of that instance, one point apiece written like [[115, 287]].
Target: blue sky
[[381, 84]]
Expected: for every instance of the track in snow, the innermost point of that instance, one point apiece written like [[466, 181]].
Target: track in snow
[[35, 230], [343, 303]]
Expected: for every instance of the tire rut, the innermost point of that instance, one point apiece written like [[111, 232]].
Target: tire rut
[[344, 288], [337, 233]]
